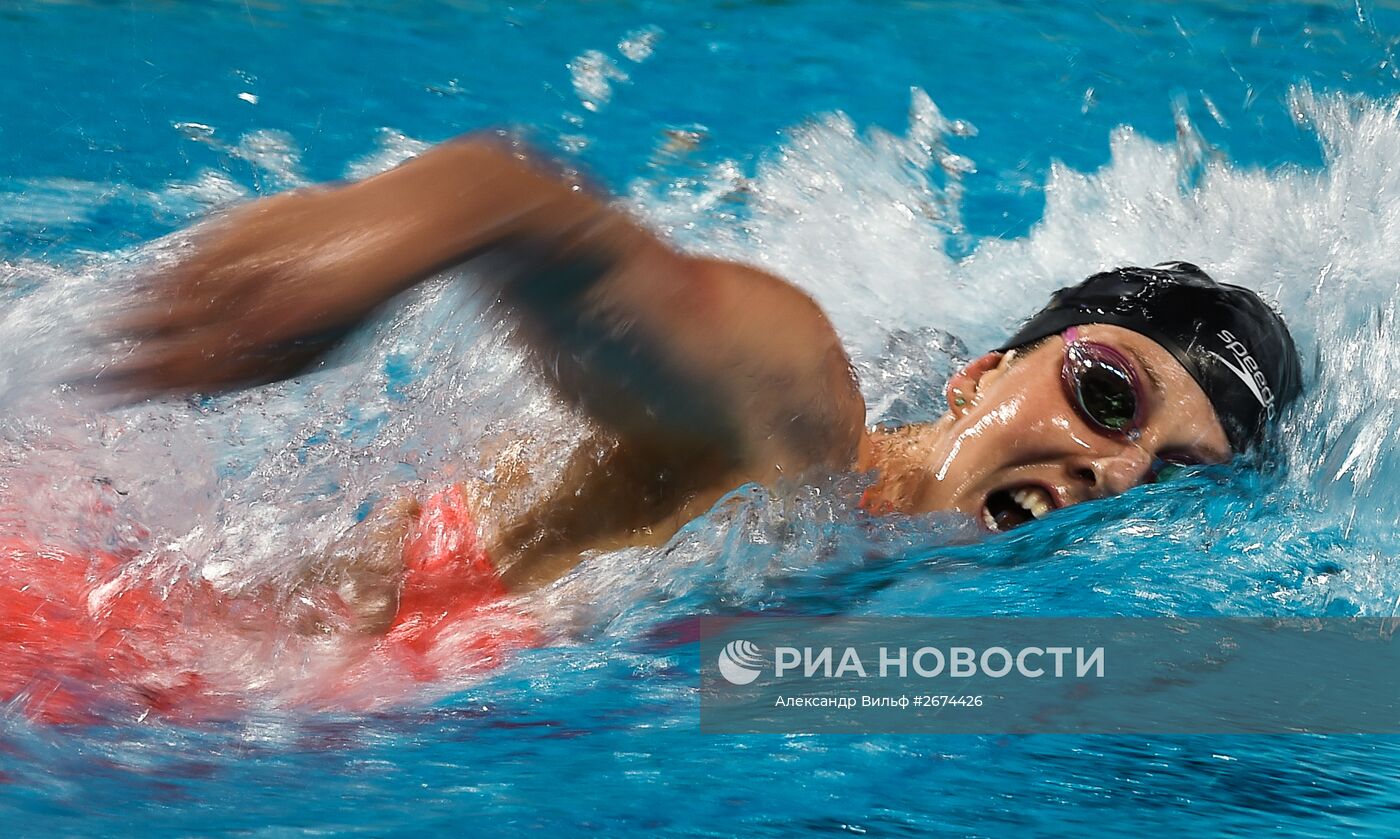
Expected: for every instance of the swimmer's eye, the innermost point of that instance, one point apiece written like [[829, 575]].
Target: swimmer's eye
[[1102, 386]]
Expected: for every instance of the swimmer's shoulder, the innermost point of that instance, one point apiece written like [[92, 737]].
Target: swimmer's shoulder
[[800, 394]]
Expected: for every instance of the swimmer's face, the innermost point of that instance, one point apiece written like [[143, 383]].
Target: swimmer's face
[[1015, 444]]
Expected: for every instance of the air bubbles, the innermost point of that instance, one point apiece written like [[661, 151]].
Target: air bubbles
[[637, 46], [926, 123], [1213, 110], [208, 190], [683, 140], [195, 131], [1191, 148], [574, 143], [275, 154], [449, 88], [593, 74], [248, 81], [392, 148]]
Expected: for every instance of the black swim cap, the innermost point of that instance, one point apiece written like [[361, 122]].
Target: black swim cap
[[1229, 340]]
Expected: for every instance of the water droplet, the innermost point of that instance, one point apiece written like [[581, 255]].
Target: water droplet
[[196, 131], [637, 45], [593, 74]]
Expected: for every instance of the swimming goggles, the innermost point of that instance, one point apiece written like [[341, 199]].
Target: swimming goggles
[[1104, 388], [1102, 385]]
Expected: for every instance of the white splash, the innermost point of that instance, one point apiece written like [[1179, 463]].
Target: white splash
[[638, 45], [248, 487], [593, 74]]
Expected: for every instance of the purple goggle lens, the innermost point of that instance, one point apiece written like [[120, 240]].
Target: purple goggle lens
[[1102, 385]]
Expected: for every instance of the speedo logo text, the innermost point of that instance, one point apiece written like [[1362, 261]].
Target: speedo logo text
[[1248, 370]]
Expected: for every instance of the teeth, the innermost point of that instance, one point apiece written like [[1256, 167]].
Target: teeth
[[1034, 500], [989, 521]]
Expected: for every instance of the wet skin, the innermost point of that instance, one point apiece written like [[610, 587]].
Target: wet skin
[[1018, 429], [700, 375]]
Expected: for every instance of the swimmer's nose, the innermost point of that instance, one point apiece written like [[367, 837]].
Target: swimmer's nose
[[1110, 474]]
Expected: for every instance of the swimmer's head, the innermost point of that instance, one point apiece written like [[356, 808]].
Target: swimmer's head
[[1236, 348], [1125, 373]]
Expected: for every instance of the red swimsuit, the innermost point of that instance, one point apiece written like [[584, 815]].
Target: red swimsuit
[[81, 637]]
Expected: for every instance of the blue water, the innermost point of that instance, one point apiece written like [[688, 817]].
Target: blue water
[[1039, 142]]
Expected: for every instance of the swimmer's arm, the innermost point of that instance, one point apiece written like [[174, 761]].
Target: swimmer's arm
[[363, 571], [685, 356], [701, 367]]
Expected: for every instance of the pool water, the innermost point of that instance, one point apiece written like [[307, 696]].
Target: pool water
[[930, 171]]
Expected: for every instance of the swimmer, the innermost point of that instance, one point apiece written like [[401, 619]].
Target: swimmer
[[706, 375]]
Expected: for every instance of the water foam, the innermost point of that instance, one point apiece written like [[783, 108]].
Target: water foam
[[244, 489], [857, 221]]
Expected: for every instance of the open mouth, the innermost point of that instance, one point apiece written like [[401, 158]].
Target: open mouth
[[1009, 508]]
